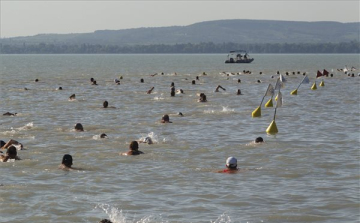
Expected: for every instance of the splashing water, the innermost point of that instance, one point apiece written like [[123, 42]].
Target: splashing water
[[117, 216], [223, 218], [26, 127], [227, 109]]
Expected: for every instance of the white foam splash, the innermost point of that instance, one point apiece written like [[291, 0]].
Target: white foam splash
[[152, 135], [116, 215], [26, 127], [159, 97], [223, 218], [227, 109]]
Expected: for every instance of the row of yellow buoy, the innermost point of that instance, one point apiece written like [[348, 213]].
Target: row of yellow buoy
[[272, 128]]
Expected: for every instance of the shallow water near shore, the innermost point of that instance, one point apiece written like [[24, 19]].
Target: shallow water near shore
[[308, 172]]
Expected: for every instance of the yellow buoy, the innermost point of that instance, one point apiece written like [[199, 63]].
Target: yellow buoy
[[294, 92], [256, 112], [269, 103], [322, 84], [272, 129], [313, 87]]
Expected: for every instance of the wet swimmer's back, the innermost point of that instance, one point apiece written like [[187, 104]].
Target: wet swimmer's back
[[231, 166], [133, 149]]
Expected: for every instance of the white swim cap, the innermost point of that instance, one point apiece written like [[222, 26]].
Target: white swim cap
[[231, 162]]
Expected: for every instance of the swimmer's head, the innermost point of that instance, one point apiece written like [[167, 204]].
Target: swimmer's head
[[79, 127], [105, 221], [59, 88], [147, 140], [106, 104], [259, 81], [11, 152], [141, 80], [193, 82], [103, 135], [181, 114], [92, 79], [2, 143], [165, 118], [36, 80], [231, 162], [134, 146], [72, 96], [67, 160], [259, 140]]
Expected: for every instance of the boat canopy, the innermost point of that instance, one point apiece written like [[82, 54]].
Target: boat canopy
[[238, 51]]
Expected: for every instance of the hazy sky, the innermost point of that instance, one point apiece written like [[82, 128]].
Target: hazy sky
[[26, 17]]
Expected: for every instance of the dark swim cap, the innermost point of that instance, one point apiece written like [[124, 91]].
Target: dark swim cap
[[259, 139], [2, 143], [67, 159]]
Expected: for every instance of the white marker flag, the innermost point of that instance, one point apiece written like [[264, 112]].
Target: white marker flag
[[270, 91], [279, 100], [278, 84], [282, 79], [305, 80]]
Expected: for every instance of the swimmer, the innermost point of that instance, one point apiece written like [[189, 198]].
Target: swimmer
[[94, 83], [172, 93], [149, 91], [72, 97], [11, 142], [141, 80], [147, 140], [259, 140], [231, 166], [165, 119], [180, 114], [103, 136], [36, 80], [239, 81], [153, 74], [217, 88], [10, 114], [258, 81], [66, 162], [105, 221], [116, 81], [238, 92], [59, 88], [92, 80], [202, 98], [193, 82], [106, 105], [78, 127], [133, 149], [180, 91], [11, 153]]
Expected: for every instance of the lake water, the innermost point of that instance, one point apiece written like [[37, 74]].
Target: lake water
[[308, 172]]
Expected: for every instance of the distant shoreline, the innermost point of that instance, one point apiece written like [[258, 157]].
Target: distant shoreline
[[352, 47]]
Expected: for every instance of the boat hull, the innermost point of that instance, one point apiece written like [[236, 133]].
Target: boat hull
[[240, 61]]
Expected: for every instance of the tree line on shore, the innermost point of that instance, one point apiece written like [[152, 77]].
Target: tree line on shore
[[209, 47]]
